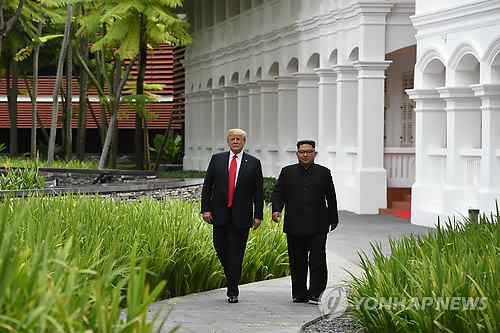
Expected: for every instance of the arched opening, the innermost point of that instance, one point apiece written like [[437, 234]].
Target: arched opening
[[467, 71], [247, 76], [292, 67], [313, 62], [354, 55], [209, 84], [258, 74], [495, 70], [235, 78], [274, 70], [492, 59], [333, 59], [222, 81], [434, 75]]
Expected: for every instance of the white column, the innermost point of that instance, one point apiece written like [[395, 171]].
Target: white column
[[230, 108], [254, 129], [187, 163], [463, 119], [287, 120], [327, 117], [430, 156], [218, 130], [346, 135], [371, 177], [196, 129], [243, 107], [206, 129], [490, 161], [269, 125], [307, 106]]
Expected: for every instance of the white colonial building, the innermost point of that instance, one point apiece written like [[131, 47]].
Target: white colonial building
[[395, 93]]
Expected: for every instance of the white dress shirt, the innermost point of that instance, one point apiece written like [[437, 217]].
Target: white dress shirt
[[239, 156]]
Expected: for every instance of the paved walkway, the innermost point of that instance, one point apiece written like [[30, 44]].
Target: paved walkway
[[267, 306]]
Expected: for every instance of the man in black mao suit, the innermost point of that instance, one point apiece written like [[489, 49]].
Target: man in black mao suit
[[307, 192], [233, 215]]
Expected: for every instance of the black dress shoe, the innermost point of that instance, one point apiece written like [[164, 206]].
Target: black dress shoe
[[313, 300], [300, 300], [232, 299]]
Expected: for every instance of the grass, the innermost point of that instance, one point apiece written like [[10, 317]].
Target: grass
[[28, 163], [181, 174], [70, 264], [460, 260], [16, 179]]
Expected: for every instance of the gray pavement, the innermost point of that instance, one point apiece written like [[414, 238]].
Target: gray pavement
[[267, 306]]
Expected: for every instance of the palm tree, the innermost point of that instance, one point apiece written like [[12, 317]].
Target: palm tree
[[5, 27], [55, 95], [126, 35]]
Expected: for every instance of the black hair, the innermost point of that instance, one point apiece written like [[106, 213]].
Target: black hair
[[306, 142]]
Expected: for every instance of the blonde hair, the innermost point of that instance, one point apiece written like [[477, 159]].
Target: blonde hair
[[237, 131]]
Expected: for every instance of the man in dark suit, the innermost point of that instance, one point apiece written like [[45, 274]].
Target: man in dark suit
[[232, 200], [306, 191]]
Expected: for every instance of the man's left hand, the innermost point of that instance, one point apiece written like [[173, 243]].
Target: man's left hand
[[256, 223]]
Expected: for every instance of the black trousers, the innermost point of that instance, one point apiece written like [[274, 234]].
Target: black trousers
[[308, 252], [230, 244]]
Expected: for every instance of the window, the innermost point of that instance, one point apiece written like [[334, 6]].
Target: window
[[407, 115]]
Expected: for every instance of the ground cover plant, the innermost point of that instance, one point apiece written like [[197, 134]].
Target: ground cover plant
[[26, 163], [445, 281], [71, 264], [12, 178]]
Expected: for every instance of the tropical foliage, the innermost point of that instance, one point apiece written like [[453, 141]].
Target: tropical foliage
[[17, 179], [119, 33], [71, 264], [444, 281]]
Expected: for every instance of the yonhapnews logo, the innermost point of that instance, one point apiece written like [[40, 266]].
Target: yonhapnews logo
[[334, 301]]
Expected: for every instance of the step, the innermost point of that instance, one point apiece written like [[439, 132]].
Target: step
[[407, 197], [401, 205], [387, 211], [405, 214]]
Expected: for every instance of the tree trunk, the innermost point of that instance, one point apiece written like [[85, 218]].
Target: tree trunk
[[36, 56], [38, 120], [55, 101], [102, 111], [82, 119], [113, 152], [5, 27], [69, 102], [113, 122], [141, 148], [12, 104], [138, 142]]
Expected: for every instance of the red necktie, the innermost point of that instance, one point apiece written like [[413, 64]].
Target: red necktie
[[232, 179]]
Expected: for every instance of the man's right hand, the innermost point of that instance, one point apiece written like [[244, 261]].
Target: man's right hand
[[207, 217], [276, 216]]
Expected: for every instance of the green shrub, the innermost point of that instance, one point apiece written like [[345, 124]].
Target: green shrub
[[70, 264], [17, 179], [457, 260], [172, 149], [268, 188]]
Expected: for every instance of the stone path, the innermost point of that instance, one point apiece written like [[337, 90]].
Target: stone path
[[266, 306]]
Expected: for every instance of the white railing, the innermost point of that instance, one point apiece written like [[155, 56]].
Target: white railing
[[399, 164], [472, 166], [439, 158]]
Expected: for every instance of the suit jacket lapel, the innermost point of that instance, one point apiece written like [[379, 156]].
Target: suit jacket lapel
[[241, 172], [225, 160]]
